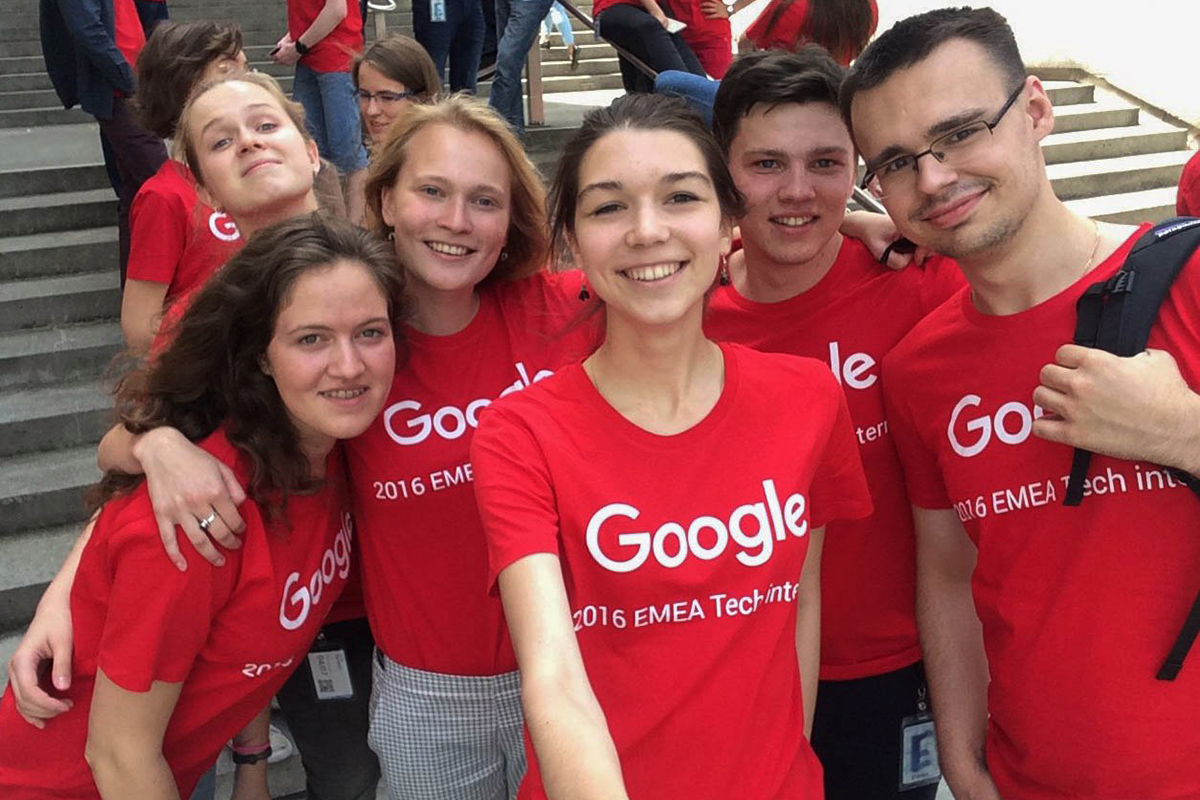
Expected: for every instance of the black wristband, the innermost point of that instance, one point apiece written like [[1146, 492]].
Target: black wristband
[[251, 758], [302, 48]]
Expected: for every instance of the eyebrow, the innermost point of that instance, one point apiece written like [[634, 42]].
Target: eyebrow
[[216, 120], [363, 324], [939, 128], [670, 177], [479, 187]]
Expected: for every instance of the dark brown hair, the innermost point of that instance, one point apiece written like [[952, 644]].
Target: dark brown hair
[[171, 62], [527, 246], [843, 27], [211, 374], [401, 58], [640, 112]]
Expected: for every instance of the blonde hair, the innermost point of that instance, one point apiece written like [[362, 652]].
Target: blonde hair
[[185, 145], [528, 234]]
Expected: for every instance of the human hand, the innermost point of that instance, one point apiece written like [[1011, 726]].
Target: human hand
[[662, 18], [186, 485], [878, 233], [1137, 408], [285, 51], [48, 639], [714, 9]]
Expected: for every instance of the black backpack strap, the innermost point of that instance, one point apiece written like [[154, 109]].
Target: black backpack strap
[[1116, 315]]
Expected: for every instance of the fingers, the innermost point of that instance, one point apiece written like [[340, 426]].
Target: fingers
[[1061, 379], [170, 541], [33, 703], [236, 497], [200, 541], [62, 648], [1053, 429], [1053, 401]]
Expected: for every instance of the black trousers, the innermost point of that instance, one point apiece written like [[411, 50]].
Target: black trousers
[[857, 735], [632, 28]]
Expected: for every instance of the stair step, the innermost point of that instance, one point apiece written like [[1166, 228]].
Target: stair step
[[1067, 93], [37, 117], [54, 355], [61, 299], [31, 48], [1151, 205], [13, 63], [1151, 136], [1117, 175], [38, 418], [565, 84], [591, 66], [1101, 114], [24, 81], [31, 559], [43, 254], [48, 180], [45, 213], [11, 101], [44, 490]]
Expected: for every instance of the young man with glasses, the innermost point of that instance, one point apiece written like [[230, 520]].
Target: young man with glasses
[[1042, 626], [799, 286]]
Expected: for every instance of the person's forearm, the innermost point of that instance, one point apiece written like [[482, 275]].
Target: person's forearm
[[653, 8], [576, 755], [808, 650], [116, 451], [120, 776], [1185, 453], [250, 780], [330, 17], [59, 590]]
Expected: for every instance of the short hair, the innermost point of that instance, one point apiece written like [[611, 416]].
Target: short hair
[[772, 78], [185, 145], [401, 58], [912, 40], [171, 62], [210, 372], [527, 246], [636, 112]]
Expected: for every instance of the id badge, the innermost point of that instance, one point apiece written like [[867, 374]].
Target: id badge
[[918, 752], [437, 10], [330, 674]]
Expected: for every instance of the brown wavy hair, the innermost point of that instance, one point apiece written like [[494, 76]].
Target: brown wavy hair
[[210, 375], [528, 238], [170, 64]]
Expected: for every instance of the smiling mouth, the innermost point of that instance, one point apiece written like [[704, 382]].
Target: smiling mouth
[[949, 210], [653, 272], [344, 394], [258, 164], [449, 249], [793, 222]]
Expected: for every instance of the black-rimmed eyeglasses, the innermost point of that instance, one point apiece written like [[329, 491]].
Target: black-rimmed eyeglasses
[[953, 149], [387, 98]]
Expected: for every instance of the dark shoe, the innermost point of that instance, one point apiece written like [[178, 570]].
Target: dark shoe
[[573, 53]]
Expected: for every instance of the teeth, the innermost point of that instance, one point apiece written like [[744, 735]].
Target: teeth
[[344, 394], [448, 249], [794, 222], [654, 272]]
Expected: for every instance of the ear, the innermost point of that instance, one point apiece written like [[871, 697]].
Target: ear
[[314, 157], [726, 236], [385, 207], [264, 365], [1040, 109]]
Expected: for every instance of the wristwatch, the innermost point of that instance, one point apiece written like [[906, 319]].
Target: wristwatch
[[301, 47], [251, 758]]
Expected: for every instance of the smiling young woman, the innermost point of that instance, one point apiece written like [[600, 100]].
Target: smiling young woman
[[655, 513]]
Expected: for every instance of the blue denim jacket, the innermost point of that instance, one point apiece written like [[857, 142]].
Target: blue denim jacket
[[80, 49]]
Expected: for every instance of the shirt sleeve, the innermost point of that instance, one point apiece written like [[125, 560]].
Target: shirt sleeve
[[158, 223], [157, 618], [839, 486], [516, 499], [923, 479]]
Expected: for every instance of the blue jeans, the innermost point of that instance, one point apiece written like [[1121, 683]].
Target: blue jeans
[[697, 90], [458, 39], [517, 23], [331, 116], [559, 18]]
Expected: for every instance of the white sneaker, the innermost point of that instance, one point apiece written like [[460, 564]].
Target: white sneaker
[[281, 746]]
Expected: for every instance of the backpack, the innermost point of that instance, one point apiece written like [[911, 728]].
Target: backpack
[[1116, 315]]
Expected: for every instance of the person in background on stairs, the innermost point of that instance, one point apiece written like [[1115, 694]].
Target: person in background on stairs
[[842, 27], [176, 241], [1044, 626], [1187, 202], [642, 27], [89, 47], [390, 75], [236, 123], [321, 39], [288, 350], [557, 16], [452, 31]]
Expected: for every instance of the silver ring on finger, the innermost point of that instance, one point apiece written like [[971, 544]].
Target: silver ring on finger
[[207, 521]]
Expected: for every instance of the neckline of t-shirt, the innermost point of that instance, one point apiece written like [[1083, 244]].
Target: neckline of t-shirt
[[814, 295], [616, 423], [1054, 306], [478, 327]]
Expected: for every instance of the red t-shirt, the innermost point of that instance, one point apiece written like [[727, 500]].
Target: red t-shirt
[[1079, 605], [127, 30], [424, 558], [1187, 203], [600, 5], [681, 556], [868, 567], [174, 238], [231, 635], [333, 53], [791, 30]]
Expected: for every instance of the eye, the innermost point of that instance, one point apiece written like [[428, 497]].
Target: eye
[[767, 163], [825, 163], [486, 202], [682, 197], [219, 144], [605, 208], [430, 191], [267, 126], [898, 164], [374, 333], [960, 136]]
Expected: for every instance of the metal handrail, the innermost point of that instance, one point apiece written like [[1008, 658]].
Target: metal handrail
[[867, 201]]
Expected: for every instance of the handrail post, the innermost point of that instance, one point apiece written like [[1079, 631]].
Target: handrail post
[[533, 71]]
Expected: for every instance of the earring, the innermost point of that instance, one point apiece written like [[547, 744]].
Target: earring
[[584, 294], [504, 255], [723, 274], [391, 236]]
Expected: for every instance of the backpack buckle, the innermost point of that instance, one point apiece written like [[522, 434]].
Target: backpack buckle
[[1121, 283]]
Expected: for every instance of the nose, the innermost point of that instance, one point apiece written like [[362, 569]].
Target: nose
[[371, 105], [648, 227], [796, 186], [933, 175], [248, 138], [455, 215], [344, 359]]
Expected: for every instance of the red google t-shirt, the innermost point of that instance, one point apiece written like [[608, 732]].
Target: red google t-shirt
[[424, 558], [174, 238], [682, 557], [1079, 605], [789, 28], [1187, 201], [231, 635], [333, 53], [849, 320]]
